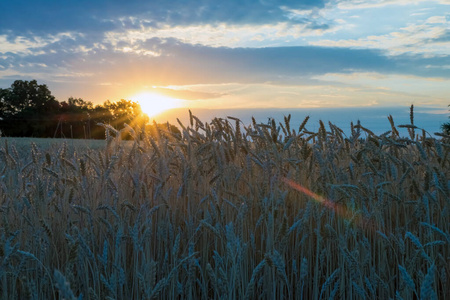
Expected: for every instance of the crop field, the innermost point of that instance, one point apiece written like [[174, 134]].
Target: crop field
[[228, 211]]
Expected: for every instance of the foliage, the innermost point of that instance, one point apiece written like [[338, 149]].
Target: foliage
[[126, 112], [446, 128], [26, 108], [29, 109], [26, 98], [225, 211]]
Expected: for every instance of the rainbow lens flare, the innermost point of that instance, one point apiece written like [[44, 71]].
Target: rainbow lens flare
[[339, 209]]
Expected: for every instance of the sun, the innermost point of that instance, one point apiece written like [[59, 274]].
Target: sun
[[153, 104]]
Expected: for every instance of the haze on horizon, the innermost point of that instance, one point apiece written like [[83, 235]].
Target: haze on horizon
[[233, 54]]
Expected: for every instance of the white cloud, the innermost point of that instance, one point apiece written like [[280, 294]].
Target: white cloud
[[420, 39], [359, 4], [20, 45], [223, 34], [444, 67]]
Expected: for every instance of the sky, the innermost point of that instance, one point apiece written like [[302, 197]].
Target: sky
[[233, 54]]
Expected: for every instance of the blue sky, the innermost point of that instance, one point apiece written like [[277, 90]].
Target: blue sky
[[233, 54]]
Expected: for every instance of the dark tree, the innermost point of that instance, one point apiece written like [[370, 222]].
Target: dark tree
[[25, 96], [74, 119], [27, 109], [446, 127], [124, 111], [127, 112]]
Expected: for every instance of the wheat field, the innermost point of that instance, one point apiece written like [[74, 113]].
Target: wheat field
[[228, 211]]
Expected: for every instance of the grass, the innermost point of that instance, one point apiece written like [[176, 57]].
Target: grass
[[226, 211]]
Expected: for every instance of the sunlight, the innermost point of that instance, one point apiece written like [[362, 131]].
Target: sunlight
[[153, 104]]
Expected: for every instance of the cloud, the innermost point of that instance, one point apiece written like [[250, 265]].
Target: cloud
[[337, 94], [359, 4], [265, 51], [229, 35], [404, 85], [178, 63], [40, 17], [427, 38], [186, 94], [444, 37]]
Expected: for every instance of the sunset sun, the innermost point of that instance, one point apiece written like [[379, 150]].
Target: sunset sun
[[153, 104]]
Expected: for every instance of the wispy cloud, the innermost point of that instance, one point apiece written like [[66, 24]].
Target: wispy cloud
[[430, 38], [23, 17], [186, 94], [216, 52], [358, 4], [222, 34]]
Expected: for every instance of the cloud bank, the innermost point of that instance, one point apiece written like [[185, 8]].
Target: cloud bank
[[98, 48]]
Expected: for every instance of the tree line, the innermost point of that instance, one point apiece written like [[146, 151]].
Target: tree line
[[446, 127], [28, 109]]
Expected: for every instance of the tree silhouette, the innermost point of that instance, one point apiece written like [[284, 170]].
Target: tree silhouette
[[446, 127], [29, 109], [25, 96], [126, 112]]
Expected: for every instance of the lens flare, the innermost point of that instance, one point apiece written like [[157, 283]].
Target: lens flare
[[340, 210]]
